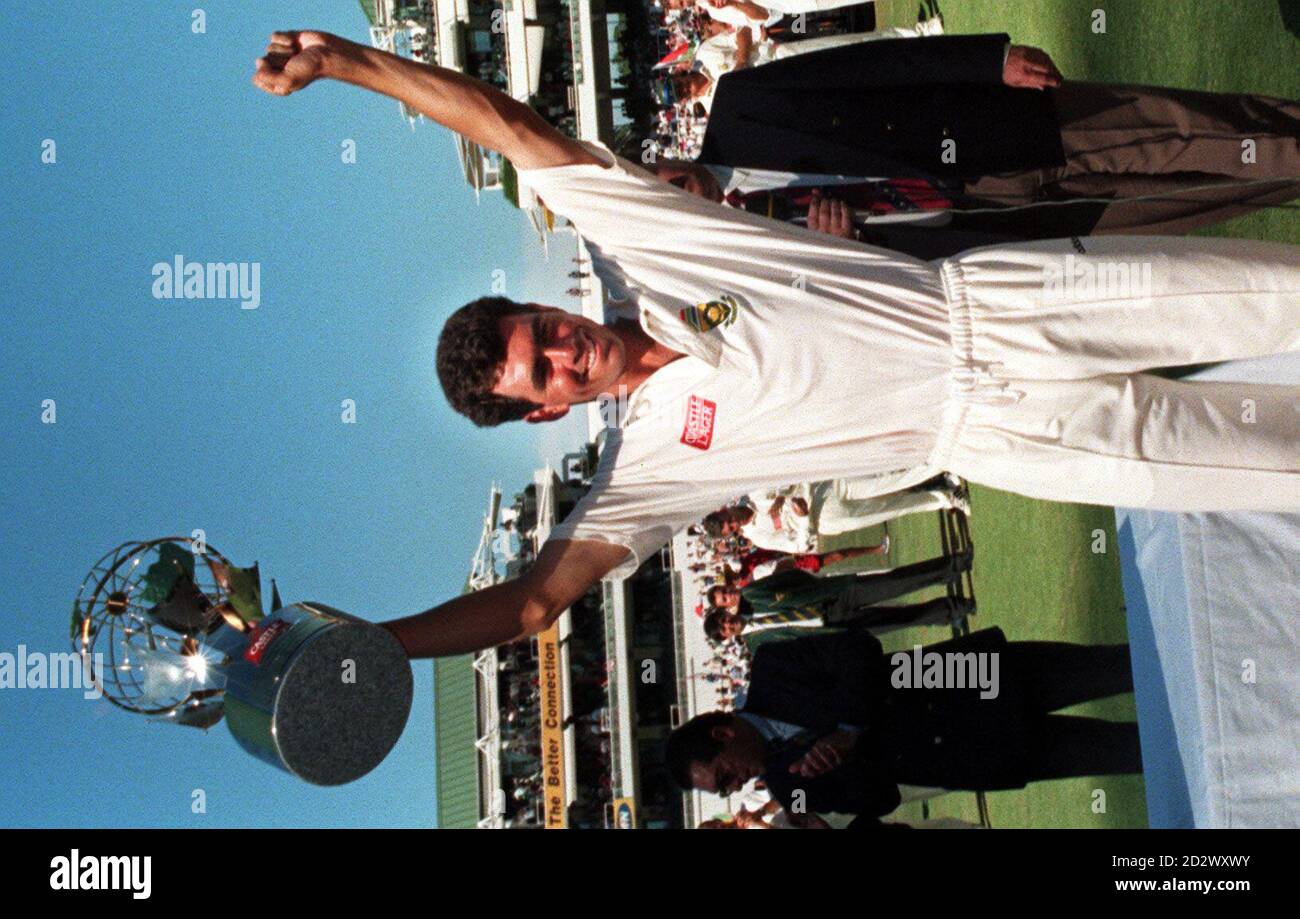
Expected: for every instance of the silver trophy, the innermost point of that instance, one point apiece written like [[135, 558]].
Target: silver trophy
[[181, 636]]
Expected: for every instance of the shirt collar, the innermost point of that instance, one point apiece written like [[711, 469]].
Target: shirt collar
[[725, 176], [772, 731]]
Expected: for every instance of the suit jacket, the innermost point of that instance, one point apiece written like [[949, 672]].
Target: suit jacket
[[820, 682], [884, 108], [942, 737], [755, 639], [861, 786]]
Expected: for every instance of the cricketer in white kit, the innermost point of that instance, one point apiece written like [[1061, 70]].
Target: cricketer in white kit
[[769, 353]]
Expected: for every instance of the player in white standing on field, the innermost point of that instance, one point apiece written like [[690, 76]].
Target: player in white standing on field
[[769, 353]]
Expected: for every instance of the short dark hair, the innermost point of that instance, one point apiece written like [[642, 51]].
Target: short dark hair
[[714, 588], [713, 523], [470, 353], [683, 84], [694, 742], [713, 623]]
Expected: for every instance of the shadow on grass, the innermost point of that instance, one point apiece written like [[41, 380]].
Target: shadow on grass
[[1290, 10]]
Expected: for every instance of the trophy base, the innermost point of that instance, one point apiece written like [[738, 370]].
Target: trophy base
[[319, 693]]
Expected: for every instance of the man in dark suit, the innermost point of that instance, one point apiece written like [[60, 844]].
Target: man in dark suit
[[985, 125], [831, 723]]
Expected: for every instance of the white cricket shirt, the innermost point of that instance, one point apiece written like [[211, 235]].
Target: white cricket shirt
[[795, 535], [740, 20], [807, 357]]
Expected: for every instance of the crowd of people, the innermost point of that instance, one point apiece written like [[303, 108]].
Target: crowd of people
[[519, 692], [520, 709], [755, 564]]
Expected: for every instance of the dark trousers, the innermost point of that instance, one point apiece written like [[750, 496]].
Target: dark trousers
[[1171, 159], [864, 590], [1057, 675], [880, 619]]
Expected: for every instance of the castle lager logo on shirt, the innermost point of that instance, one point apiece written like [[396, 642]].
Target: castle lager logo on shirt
[[700, 414], [706, 316]]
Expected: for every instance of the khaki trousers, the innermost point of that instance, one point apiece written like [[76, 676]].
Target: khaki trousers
[[1171, 160]]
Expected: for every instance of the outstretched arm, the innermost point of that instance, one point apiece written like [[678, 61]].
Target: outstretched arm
[[565, 570], [469, 107], [744, 48]]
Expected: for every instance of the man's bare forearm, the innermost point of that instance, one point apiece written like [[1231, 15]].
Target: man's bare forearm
[[744, 47], [484, 619], [470, 107], [564, 571]]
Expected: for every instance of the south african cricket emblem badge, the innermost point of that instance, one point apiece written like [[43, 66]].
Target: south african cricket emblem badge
[[718, 313]]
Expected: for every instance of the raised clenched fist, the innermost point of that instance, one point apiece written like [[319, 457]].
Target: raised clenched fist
[[292, 61]]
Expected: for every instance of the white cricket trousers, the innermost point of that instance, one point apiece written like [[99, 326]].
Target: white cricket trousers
[[1049, 397], [839, 506]]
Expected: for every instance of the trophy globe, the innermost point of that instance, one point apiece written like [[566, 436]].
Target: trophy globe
[[170, 629], [151, 613]]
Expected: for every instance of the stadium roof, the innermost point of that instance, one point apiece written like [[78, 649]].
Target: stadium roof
[[455, 721], [368, 7]]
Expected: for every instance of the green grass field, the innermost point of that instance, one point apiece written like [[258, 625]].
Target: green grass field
[[1036, 573]]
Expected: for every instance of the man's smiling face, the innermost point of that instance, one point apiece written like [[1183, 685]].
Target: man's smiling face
[[557, 359]]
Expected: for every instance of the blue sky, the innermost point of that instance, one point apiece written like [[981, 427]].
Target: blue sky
[[176, 414]]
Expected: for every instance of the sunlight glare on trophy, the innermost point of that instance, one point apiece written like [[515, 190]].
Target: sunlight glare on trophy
[[186, 640]]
